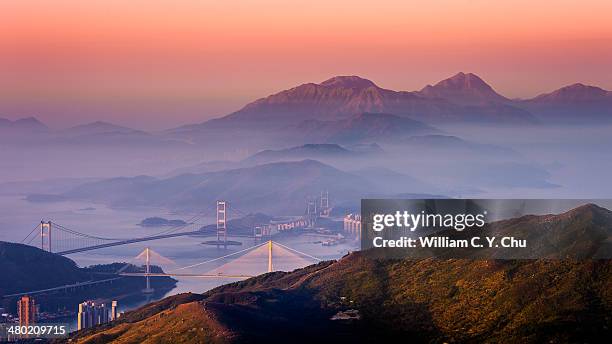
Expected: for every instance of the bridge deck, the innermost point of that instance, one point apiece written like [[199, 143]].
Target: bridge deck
[[80, 284], [134, 274], [154, 237]]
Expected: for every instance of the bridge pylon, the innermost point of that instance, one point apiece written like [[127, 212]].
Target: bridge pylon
[[324, 208], [148, 289], [270, 266], [222, 222], [45, 236]]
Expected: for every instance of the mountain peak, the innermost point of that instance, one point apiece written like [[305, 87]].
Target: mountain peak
[[463, 80], [463, 88], [575, 92], [351, 81], [589, 209]]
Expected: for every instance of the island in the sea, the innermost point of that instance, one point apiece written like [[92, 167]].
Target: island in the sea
[[161, 222]]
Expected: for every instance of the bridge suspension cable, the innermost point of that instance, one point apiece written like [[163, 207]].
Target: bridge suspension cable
[[67, 240], [298, 252], [219, 258], [33, 237], [265, 257]]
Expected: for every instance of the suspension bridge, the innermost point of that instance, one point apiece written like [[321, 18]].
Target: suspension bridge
[[60, 239], [266, 256]]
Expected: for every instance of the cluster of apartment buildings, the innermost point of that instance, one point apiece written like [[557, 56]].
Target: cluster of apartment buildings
[[92, 314], [352, 225]]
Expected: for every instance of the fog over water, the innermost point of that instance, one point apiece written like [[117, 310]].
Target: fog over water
[[461, 161]]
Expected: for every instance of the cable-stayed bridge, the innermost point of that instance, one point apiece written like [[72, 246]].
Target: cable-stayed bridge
[[264, 257]]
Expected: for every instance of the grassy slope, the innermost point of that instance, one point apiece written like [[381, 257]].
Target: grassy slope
[[430, 300], [439, 300]]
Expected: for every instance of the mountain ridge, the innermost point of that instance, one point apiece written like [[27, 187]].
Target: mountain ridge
[[344, 96], [26, 123], [274, 187], [427, 300], [100, 127]]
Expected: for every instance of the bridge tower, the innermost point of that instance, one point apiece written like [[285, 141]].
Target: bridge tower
[[45, 236], [222, 222], [270, 267], [311, 213], [324, 208], [148, 289]]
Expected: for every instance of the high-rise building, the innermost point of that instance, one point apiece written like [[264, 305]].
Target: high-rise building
[[92, 314], [26, 308], [114, 314]]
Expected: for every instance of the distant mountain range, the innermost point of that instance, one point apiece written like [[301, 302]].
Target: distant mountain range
[[31, 130], [463, 98], [359, 299], [29, 124], [345, 96], [276, 188], [350, 109]]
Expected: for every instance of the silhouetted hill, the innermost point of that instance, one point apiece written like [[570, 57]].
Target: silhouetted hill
[[107, 134], [97, 128], [361, 128], [429, 301], [161, 222], [25, 268], [307, 151], [274, 188], [21, 127]]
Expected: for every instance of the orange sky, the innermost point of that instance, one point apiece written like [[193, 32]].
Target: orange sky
[[181, 61]]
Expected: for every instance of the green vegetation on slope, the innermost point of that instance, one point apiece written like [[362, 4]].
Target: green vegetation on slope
[[426, 300]]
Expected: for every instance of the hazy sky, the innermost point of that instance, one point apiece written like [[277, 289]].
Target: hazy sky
[[160, 63]]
